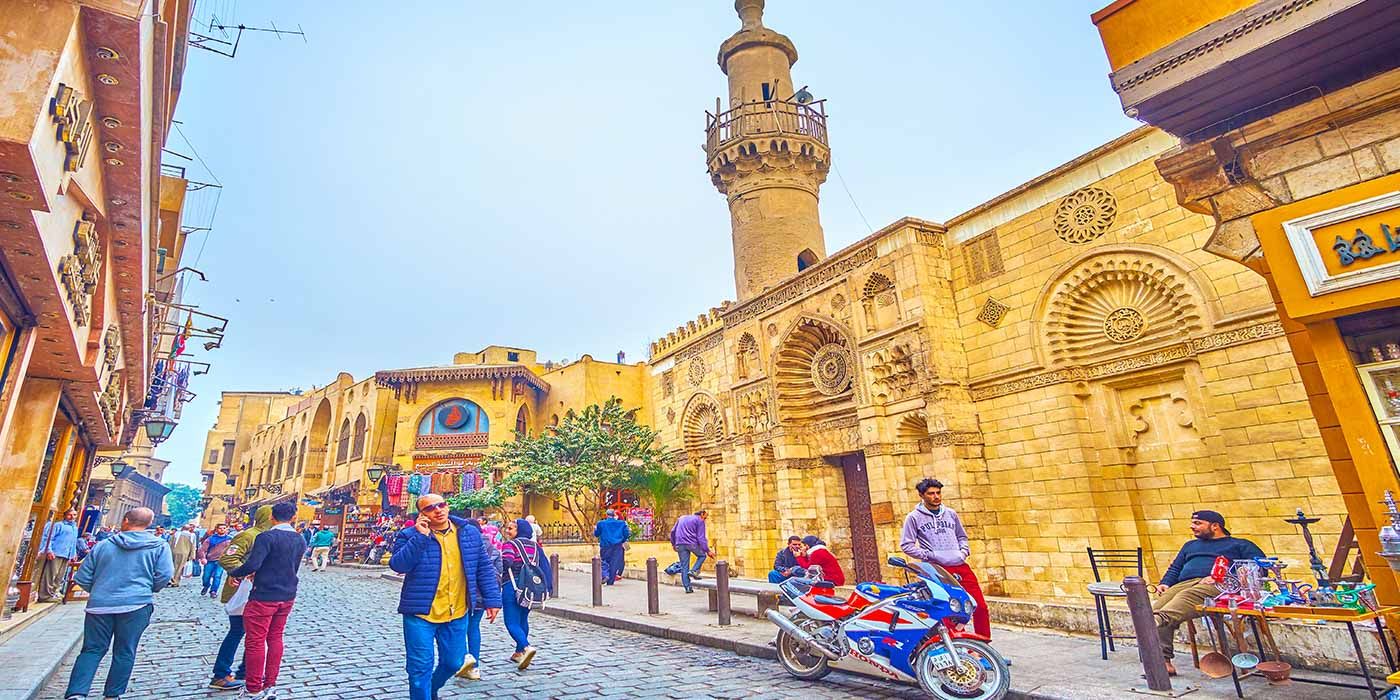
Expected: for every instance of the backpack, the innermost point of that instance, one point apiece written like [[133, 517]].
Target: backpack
[[531, 587]]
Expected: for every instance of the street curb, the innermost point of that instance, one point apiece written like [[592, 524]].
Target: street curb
[[55, 652], [761, 651]]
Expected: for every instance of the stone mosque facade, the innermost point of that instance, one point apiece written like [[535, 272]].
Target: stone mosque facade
[[1065, 358]]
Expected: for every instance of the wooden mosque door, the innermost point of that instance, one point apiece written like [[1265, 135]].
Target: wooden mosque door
[[865, 550]]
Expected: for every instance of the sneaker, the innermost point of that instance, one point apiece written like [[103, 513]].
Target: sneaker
[[473, 675], [696, 575], [260, 695], [468, 667], [526, 657], [225, 683], [515, 658]]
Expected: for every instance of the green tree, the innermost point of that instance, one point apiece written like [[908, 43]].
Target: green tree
[[182, 503], [489, 497], [576, 462], [663, 489]]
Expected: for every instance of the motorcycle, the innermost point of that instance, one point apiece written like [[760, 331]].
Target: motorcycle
[[911, 632]]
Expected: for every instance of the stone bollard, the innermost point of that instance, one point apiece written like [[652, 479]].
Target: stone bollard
[[1154, 665], [653, 588], [722, 592], [597, 582], [554, 573]]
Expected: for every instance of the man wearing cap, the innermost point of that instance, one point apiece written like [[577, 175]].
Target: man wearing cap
[[1187, 582], [612, 535]]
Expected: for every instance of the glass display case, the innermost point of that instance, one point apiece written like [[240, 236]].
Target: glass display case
[[1375, 348]]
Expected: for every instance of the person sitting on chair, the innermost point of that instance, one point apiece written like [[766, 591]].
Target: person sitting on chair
[[790, 562], [1187, 583]]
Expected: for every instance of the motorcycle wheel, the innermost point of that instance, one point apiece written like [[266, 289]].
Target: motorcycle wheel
[[796, 659], [982, 675]]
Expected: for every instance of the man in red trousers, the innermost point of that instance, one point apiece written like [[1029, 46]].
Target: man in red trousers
[[935, 534]]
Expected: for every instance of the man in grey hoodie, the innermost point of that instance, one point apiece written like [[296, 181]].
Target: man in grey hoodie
[[121, 575], [934, 533]]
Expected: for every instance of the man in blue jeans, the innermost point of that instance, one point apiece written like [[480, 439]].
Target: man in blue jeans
[[446, 570], [223, 677], [688, 538], [122, 575]]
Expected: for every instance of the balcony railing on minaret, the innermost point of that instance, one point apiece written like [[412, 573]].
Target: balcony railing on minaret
[[764, 119]]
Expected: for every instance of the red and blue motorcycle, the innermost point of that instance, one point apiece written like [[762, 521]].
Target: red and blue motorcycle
[[913, 633]]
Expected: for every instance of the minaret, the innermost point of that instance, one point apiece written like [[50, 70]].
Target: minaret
[[768, 154]]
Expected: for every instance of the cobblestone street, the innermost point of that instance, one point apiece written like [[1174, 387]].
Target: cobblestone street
[[344, 641]]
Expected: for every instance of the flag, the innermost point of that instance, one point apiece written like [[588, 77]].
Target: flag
[[178, 346]]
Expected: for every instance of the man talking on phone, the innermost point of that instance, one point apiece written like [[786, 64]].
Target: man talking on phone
[[445, 567]]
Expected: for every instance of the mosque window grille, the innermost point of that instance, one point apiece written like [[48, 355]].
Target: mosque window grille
[[982, 253], [992, 312]]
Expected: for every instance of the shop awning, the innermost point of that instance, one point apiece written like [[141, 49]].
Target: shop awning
[[267, 501], [316, 493]]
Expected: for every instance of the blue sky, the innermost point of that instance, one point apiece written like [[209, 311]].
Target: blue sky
[[427, 177]]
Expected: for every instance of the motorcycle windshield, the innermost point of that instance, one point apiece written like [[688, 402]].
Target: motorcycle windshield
[[936, 573]]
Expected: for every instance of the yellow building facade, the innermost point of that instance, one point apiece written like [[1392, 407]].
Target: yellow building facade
[[317, 447], [1065, 358], [91, 238]]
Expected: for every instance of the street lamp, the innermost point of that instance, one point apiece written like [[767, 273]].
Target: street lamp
[[374, 473], [250, 492], [158, 428]]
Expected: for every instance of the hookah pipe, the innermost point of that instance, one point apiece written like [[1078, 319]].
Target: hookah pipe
[[1314, 562]]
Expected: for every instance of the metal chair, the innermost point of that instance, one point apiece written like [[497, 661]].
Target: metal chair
[[1104, 561]]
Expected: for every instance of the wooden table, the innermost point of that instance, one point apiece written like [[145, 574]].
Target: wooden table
[[1218, 614]]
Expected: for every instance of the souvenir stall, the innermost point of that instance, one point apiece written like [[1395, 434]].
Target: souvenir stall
[[1255, 592]]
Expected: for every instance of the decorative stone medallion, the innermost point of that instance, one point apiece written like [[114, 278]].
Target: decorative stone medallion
[[992, 312], [697, 371], [831, 369], [1085, 215], [670, 416], [1124, 324], [838, 303], [772, 330]]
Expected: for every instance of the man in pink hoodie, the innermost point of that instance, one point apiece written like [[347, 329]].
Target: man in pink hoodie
[[935, 534]]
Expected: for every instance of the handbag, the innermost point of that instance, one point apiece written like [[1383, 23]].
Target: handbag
[[234, 606]]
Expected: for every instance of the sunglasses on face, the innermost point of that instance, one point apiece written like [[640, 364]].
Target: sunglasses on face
[[433, 507]]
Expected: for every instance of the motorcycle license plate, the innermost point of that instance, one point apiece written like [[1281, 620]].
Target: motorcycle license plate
[[941, 659]]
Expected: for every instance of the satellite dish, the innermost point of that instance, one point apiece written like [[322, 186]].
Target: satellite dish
[[803, 97]]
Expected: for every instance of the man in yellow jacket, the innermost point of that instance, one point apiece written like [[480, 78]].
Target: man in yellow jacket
[[223, 677]]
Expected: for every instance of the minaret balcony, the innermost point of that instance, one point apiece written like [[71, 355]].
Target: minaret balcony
[[765, 121]]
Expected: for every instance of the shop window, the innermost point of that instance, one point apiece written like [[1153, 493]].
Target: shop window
[[361, 427], [1374, 341], [452, 417]]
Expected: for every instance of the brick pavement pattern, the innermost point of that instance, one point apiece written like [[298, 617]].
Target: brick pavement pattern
[[345, 641]]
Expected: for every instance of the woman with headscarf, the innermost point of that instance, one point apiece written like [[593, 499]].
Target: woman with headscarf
[[819, 555], [518, 549]]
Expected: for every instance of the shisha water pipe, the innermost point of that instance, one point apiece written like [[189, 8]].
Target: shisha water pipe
[[1314, 561], [1390, 534]]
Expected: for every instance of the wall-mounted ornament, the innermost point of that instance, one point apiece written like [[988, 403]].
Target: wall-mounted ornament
[[79, 270], [72, 118], [697, 371], [111, 346], [1124, 324], [838, 303], [992, 312], [668, 384], [831, 369], [1085, 214], [109, 402]]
